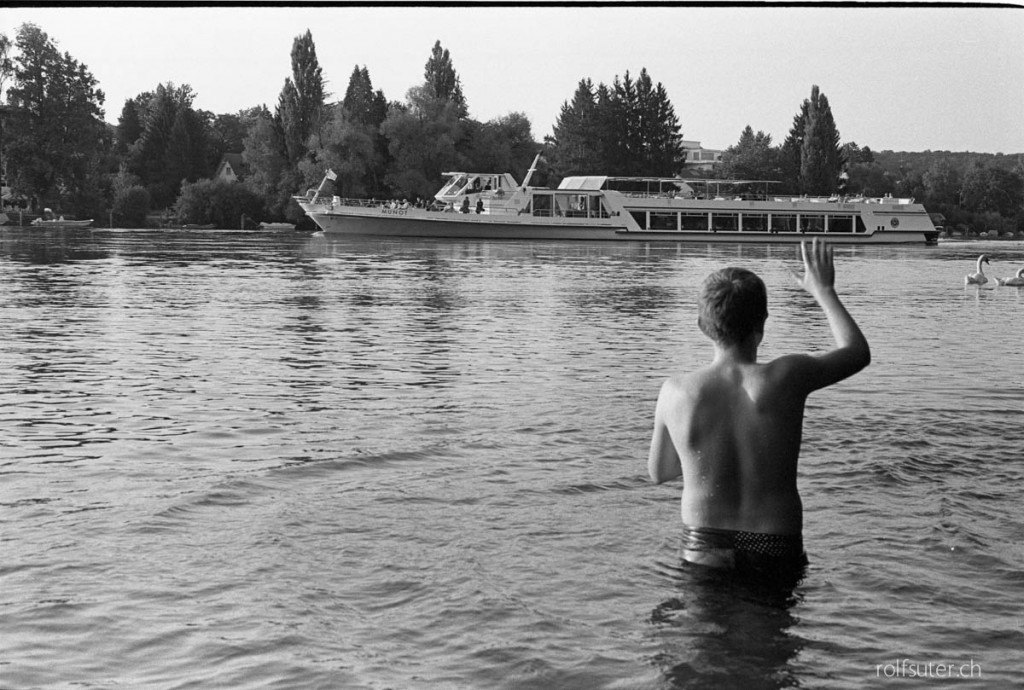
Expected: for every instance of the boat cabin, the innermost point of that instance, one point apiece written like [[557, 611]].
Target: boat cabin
[[462, 184]]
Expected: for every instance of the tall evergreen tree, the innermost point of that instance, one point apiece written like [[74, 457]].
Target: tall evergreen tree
[[574, 144], [362, 104], [359, 150], [55, 132], [152, 157], [658, 144], [629, 128], [790, 152], [186, 158], [442, 81], [129, 127], [301, 103], [821, 158]]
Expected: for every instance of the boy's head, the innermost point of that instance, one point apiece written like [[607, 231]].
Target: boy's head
[[733, 304]]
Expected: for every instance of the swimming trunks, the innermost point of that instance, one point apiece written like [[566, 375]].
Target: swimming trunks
[[747, 552]]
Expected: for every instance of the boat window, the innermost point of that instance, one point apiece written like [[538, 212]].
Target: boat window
[[566, 205], [640, 217], [783, 222], [576, 206], [542, 204], [661, 220], [597, 208], [725, 222], [809, 223], [860, 225], [755, 222], [453, 187], [840, 223], [693, 222]]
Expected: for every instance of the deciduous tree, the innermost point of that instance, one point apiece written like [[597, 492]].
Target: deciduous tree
[[752, 158], [55, 133], [941, 184], [265, 156], [423, 138]]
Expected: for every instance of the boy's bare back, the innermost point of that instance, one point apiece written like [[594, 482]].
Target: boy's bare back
[[732, 429]]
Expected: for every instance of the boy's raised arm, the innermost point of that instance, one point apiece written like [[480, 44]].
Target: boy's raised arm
[[852, 352]]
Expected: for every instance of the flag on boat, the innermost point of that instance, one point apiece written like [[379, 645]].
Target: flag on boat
[[331, 175]]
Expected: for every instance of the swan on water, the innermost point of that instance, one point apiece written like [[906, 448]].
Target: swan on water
[[1016, 281], [978, 277]]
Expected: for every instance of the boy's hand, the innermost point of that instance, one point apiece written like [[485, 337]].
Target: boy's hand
[[819, 268]]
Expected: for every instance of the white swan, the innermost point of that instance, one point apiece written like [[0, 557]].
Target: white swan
[[1016, 281], [978, 277]]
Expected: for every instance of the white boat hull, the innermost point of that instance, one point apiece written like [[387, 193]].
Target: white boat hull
[[492, 206], [420, 223]]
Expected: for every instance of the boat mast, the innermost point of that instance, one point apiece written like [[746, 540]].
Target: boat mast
[[529, 173]]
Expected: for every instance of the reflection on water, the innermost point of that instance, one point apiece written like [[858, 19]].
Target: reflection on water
[[244, 459], [719, 631]]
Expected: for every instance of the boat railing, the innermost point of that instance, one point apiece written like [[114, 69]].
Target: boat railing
[[698, 197], [847, 199], [834, 199], [332, 202]]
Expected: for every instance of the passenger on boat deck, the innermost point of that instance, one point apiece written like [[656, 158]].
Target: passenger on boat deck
[[465, 205], [732, 429], [479, 205]]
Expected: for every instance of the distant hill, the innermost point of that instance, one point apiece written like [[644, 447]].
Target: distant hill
[[895, 161]]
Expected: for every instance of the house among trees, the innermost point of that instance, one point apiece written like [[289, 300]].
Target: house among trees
[[700, 158], [232, 168]]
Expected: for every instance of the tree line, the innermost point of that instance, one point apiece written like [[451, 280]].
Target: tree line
[[163, 153]]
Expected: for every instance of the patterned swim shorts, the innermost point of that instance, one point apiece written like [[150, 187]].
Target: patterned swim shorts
[[746, 551]]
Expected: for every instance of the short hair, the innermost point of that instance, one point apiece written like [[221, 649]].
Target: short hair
[[733, 303]]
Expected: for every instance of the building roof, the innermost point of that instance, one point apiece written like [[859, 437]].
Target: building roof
[[238, 165]]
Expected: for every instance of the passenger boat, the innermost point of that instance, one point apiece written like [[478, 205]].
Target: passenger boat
[[494, 206], [61, 223]]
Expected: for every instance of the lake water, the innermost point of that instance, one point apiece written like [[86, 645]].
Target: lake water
[[288, 461]]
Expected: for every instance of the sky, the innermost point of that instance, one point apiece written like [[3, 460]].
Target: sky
[[899, 78]]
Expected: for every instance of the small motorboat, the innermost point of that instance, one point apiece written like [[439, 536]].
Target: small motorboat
[[61, 223]]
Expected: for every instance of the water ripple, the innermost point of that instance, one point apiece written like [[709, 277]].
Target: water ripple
[[235, 460]]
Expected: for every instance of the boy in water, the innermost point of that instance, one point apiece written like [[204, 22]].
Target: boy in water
[[732, 429]]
